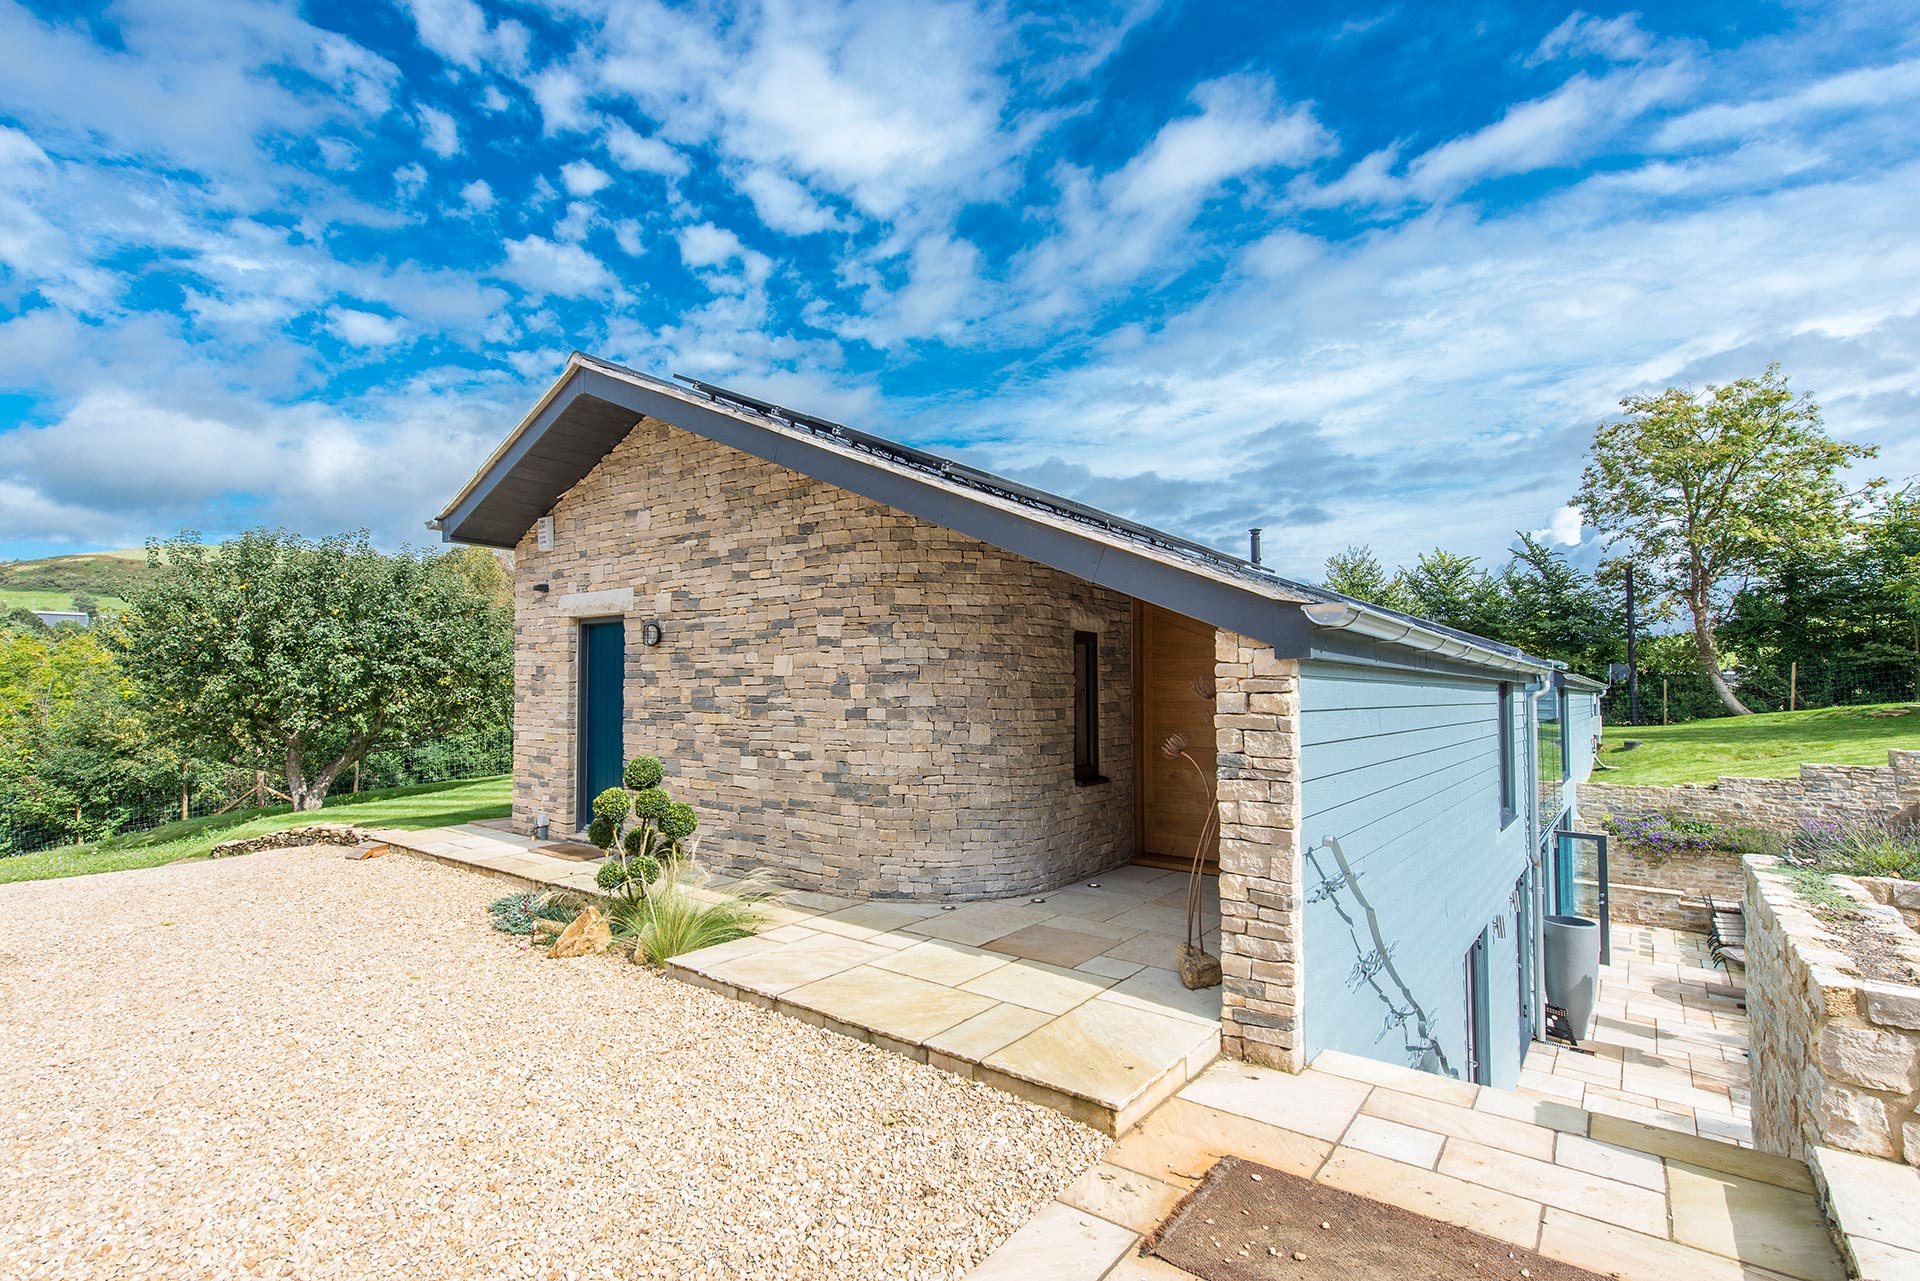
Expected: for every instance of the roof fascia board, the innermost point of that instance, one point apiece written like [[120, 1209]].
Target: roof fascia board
[[1350, 649]]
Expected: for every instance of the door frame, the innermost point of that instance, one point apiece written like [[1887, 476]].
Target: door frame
[[583, 804]]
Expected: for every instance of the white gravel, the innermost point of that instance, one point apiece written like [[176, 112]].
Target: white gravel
[[289, 1065]]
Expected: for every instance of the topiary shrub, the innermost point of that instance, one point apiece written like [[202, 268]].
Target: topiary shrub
[[643, 772], [612, 804], [640, 826]]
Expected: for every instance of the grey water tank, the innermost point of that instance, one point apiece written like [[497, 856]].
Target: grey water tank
[[1573, 969]]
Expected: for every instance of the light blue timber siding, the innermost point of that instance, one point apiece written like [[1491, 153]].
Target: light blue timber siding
[[1403, 768]]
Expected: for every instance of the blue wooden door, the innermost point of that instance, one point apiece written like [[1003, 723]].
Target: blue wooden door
[[603, 709]]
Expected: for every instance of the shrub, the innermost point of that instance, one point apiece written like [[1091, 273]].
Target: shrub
[[1859, 848], [643, 772], [1662, 834], [612, 804], [516, 913], [638, 866], [681, 913], [650, 804], [678, 822], [603, 832]]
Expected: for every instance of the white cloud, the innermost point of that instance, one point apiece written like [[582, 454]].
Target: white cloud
[[492, 100], [561, 96], [477, 196], [337, 153], [705, 245], [626, 233], [410, 179], [785, 205], [1616, 39], [583, 179], [364, 328], [631, 150], [454, 29], [438, 132], [1859, 89], [1563, 527], [542, 266]]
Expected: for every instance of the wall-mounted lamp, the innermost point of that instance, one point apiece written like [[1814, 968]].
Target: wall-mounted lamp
[[540, 587], [650, 633]]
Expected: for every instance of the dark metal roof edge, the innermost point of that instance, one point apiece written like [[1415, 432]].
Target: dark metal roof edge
[[824, 439]]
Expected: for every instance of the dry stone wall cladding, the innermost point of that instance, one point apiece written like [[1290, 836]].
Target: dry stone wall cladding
[[859, 700], [1835, 1056], [1819, 792], [1257, 720]]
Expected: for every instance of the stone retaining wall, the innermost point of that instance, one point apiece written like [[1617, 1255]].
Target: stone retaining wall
[[1835, 1057], [1844, 792], [1670, 890]]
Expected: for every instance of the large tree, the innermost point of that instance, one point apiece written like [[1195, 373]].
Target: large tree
[[1698, 489], [273, 651]]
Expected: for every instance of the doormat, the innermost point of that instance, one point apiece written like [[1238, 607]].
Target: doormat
[[1249, 1222], [578, 851]]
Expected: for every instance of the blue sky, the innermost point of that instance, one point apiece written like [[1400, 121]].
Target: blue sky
[[1354, 274]]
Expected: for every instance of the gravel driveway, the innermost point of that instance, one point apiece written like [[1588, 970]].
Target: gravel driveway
[[289, 1065]]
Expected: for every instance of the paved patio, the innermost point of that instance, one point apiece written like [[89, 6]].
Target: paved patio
[[1635, 1201], [1669, 1041], [1067, 997]]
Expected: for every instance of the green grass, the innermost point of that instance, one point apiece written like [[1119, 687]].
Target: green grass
[[12, 598], [1771, 745], [407, 808]]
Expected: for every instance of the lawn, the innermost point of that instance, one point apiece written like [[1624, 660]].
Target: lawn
[[411, 808], [1771, 745]]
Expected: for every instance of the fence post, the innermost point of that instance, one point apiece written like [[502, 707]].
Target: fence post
[[183, 801], [356, 778], [1663, 700], [1793, 685]]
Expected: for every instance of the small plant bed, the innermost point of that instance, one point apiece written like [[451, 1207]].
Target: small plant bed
[[657, 902], [1872, 943], [1661, 835]]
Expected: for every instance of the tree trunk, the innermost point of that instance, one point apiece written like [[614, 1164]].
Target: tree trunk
[[1710, 657]]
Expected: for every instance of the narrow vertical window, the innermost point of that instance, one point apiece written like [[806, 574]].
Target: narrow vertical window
[[1086, 707], [1509, 810]]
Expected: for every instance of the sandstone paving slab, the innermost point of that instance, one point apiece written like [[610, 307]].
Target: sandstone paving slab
[[790, 965], [863, 921], [1038, 986], [1517, 1105], [1438, 1196], [1050, 944], [1429, 1085], [1061, 1243], [1126, 1197], [1102, 1051], [941, 961], [1757, 1223], [1635, 1256], [1626, 1205], [1111, 967], [897, 1005], [1763, 1167], [1642, 1169], [1309, 1103], [978, 923], [1394, 1141], [1147, 949], [1877, 1261], [1162, 992], [1872, 1198], [994, 1028], [1486, 1128], [1181, 1139]]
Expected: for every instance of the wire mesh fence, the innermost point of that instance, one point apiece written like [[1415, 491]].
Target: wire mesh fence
[[1670, 698], [205, 791]]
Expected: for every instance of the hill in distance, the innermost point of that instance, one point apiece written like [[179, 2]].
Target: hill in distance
[[53, 582]]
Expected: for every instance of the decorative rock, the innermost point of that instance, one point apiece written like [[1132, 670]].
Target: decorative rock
[[588, 934], [1198, 968]]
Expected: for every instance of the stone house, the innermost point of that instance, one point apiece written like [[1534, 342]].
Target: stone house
[[882, 673]]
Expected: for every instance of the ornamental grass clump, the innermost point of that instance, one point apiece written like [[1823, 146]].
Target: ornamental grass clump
[[642, 829], [683, 912]]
